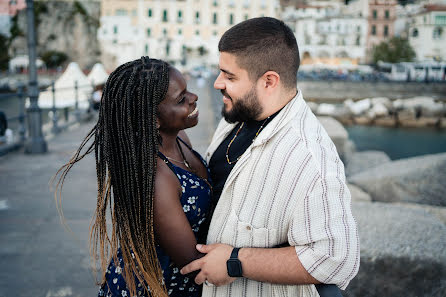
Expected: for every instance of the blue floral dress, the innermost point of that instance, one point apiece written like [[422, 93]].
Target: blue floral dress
[[196, 202]]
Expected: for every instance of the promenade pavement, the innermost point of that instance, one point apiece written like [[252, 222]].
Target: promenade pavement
[[38, 256]]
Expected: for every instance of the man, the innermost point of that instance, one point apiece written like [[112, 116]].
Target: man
[[277, 175]]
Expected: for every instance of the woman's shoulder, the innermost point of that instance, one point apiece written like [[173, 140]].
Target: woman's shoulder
[[182, 134]]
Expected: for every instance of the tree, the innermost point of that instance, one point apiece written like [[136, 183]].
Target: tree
[[53, 59], [397, 49]]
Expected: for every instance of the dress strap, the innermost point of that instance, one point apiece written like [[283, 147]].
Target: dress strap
[[184, 142], [164, 158]]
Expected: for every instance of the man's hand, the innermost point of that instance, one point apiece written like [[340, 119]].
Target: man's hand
[[212, 265]]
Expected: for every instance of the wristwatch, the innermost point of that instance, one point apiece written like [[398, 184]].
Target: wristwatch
[[234, 265]]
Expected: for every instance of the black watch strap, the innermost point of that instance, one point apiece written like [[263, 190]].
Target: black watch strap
[[234, 265], [234, 253]]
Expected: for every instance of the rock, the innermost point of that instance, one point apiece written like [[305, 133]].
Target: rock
[[362, 120], [388, 121], [358, 194], [406, 115], [378, 110], [437, 211], [417, 180], [338, 135], [313, 106], [361, 161], [402, 252], [420, 122], [427, 106], [326, 109], [359, 107], [383, 101]]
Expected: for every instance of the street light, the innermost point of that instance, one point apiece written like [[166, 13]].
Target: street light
[[35, 143]]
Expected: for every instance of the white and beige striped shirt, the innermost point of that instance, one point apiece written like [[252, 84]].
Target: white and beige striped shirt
[[289, 186]]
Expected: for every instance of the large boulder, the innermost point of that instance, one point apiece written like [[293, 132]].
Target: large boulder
[[361, 161], [403, 252], [417, 179], [338, 135], [357, 194]]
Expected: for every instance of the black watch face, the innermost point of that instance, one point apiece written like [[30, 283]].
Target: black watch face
[[234, 268]]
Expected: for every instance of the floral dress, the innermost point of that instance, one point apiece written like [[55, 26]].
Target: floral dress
[[196, 202]]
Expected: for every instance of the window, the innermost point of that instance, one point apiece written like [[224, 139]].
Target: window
[[438, 32], [373, 30], [115, 29], [197, 32], [214, 33], [358, 29], [180, 16], [386, 14], [121, 12], [134, 12], [424, 19], [440, 20], [231, 19], [246, 17], [214, 21], [358, 40], [164, 32], [197, 17], [386, 30], [149, 32], [415, 32], [149, 13], [146, 49], [215, 3], [375, 14], [164, 15], [180, 32]]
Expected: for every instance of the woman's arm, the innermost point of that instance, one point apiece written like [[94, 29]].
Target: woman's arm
[[172, 229]]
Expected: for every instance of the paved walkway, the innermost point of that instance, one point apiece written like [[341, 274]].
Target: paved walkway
[[38, 257]]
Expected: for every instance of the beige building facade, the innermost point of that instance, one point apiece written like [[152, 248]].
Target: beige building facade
[[184, 33], [381, 19]]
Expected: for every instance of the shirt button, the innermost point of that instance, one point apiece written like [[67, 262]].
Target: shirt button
[[248, 227]]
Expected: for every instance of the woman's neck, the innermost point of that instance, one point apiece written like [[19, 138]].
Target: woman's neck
[[169, 144]]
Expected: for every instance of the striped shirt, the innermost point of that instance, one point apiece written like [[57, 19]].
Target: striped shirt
[[288, 186]]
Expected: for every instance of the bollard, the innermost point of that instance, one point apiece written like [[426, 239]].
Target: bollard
[[22, 126], [55, 128]]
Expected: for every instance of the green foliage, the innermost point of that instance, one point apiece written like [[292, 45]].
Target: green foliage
[[53, 59], [4, 56], [15, 29], [395, 50]]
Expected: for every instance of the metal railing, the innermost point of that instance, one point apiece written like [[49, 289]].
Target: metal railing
[[53, 124]]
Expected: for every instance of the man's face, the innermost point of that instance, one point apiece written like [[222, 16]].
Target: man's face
[[240, 100]]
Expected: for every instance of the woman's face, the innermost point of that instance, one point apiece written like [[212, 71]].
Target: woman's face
[[178, 110]]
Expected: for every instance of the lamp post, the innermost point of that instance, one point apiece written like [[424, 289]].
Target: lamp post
[[35, 143]]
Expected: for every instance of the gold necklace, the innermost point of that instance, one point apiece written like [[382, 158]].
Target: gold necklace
[[235, 136], [182, 155]]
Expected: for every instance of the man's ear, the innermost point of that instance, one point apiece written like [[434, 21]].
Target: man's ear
[[270, 80]]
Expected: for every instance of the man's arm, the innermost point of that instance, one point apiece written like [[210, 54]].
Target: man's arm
[[273, 265]]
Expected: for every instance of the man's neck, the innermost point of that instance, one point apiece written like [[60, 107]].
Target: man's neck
[[279, 103]]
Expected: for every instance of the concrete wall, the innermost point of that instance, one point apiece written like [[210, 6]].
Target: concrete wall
[[340, 90]]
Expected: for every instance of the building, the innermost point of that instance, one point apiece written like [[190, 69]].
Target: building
[[8, 9], [381, 19], [427, 33], [184, 33], [326, 34]]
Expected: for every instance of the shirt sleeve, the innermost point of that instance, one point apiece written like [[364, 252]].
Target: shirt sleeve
[[324, 232]]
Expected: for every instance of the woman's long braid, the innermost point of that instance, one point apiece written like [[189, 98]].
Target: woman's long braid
[[126, 148]]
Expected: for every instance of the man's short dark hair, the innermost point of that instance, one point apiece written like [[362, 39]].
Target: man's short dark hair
[[261, 45]]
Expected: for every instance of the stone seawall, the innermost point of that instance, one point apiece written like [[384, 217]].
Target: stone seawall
[[334, 91]]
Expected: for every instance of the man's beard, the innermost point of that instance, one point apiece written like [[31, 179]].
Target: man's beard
[[246, 108]]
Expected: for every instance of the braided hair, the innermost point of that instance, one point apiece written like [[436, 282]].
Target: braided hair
[[126, 143]]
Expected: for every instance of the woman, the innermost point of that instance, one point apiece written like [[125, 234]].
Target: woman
[[156, 186]]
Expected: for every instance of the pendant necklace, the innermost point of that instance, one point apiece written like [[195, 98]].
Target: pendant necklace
[[235, 136]]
